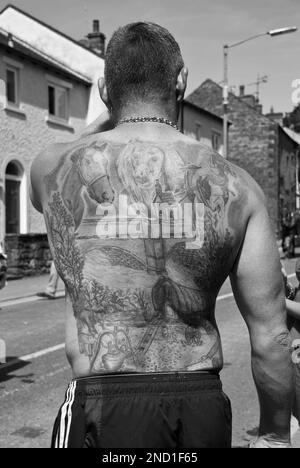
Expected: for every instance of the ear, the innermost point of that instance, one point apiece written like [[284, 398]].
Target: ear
[[103, 91], [181, 83]]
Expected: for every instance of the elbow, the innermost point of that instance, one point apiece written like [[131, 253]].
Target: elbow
[[271, 343]]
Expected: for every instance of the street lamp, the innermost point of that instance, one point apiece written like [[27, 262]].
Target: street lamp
[[272, 33]]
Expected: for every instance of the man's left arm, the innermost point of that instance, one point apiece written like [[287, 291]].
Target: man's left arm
[[258, 289]]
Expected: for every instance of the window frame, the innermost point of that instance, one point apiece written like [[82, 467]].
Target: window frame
[[56, 106], [216, 133], [15, 72], [198, 126], [16, 67], [59, 84]]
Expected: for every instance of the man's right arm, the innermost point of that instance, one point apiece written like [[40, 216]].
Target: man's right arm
[[258, 289], [103, 123], [43, 164], [34, 186]]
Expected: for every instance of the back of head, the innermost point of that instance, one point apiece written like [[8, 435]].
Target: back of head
[[143, 61]]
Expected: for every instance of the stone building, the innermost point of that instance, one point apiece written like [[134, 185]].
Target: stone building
[[258, 144], [203, 125], [48, 93]]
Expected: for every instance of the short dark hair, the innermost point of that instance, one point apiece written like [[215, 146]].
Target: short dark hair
[[142, 62]]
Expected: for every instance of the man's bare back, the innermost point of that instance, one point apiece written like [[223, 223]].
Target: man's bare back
[[145, 225], [142, 299]]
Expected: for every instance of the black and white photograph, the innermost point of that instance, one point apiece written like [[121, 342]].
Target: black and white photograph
[[149, 227]]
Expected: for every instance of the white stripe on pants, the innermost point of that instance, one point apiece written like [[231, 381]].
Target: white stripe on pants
[[66, 411]]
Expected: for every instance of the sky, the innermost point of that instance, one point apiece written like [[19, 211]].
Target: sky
[[201, 28]]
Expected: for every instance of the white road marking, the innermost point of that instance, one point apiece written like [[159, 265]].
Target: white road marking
[[25, 300], [30, 357]]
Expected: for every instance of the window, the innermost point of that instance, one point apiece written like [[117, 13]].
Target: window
[[216, 140], [198, 131], [15, 197], [12, 86], [59, 94], [58, 102]]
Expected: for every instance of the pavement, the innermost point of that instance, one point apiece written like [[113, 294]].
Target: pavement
[[35, 376]]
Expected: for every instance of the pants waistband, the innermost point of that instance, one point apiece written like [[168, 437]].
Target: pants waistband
[[146, 383]]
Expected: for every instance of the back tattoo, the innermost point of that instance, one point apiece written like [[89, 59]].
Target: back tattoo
[[143, 235]]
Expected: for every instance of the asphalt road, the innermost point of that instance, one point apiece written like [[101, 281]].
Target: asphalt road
[[32, 388]]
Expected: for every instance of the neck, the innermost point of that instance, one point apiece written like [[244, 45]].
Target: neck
[[142, 109]]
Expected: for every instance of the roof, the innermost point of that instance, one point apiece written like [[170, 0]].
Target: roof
[[200, 98], [293, 135], [213, 102], [28, 51], [50, 42], [46, 25], [42, 42], [201, 109]]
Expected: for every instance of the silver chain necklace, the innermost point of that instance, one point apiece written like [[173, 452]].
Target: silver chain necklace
[[161, 120]]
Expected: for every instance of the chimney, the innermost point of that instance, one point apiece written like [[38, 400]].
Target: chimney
[[248, 98], [95, 40], [96, 26]]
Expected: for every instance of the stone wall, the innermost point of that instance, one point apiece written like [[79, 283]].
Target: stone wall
[[258, 145], [253, 145], [28, 254], [288, 153]]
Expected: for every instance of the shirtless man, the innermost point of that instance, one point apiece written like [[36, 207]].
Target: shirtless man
[[145, 224]]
